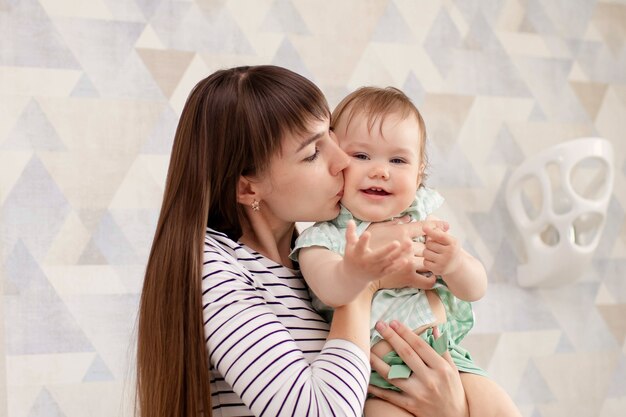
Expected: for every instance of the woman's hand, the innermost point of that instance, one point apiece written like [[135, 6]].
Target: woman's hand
[[433, 389]]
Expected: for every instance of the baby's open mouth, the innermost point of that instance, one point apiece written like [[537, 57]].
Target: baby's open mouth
[[375, 191]]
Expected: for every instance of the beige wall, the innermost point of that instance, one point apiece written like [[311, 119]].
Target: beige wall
[[90, 94]]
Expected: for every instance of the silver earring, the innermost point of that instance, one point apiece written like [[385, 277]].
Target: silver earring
[[255, 205]]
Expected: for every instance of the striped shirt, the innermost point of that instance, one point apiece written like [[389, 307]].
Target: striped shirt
[[267, 345]]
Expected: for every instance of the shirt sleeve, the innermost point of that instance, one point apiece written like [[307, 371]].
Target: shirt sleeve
[[258, 357]]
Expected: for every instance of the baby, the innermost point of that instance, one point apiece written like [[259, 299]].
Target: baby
[[384, 134]]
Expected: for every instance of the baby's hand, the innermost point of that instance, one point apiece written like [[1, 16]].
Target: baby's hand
[[361, 262], [442, 251]]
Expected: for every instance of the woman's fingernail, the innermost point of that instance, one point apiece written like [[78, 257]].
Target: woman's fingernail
[[381, 326], [393, 324]]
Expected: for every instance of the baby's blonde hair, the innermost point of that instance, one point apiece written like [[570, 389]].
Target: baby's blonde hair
[[376, 103]]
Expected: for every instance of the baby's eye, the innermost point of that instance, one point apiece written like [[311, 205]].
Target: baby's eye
[[362, 156], [397, 161]]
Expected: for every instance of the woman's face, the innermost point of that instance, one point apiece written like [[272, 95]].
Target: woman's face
[[304, 181]]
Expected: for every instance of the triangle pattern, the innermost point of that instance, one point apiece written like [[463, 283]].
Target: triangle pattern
[[33, 131], [84, 88], [98, 371], [505, 150], [615, 318], [37, 319], [591, 96], [166, 67], [47, 49], [392, 27], [283, 17], [533, 387], [45, 406], [162, 137], [112, 243], [287, 56]]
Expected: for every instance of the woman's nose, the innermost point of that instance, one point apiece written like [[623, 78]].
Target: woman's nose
[[339, 160]]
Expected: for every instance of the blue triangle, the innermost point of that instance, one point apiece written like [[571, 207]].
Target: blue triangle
[[148, 7], [414, 89], [288, 57], [33, 131], [37, 319], [533, 388], [463, 174], [392, 27], [33, 39], [23, 271], [84, 88], [284, 18], [98, 371], [505, 150], [617, 386], [442, 41], [45, 406], [35, 210], [565, 345], [537, 115], [112, 243], [160, 140]]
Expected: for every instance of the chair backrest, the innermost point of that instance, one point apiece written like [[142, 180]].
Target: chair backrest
[[558, 200]]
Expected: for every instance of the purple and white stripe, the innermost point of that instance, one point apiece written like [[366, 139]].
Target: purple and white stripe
[[267, 346]]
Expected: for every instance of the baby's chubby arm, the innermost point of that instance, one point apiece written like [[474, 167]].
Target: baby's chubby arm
[[464, 275], [337, 280]]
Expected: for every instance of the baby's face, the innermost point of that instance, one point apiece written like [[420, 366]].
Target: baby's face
[[384, 170]]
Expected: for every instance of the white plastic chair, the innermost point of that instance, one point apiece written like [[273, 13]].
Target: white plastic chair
[[558, 200]]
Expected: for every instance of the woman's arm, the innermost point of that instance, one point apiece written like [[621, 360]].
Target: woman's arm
[[257, 355]]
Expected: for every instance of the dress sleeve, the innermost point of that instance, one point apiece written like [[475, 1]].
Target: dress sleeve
[[324, 234], [258, 357]]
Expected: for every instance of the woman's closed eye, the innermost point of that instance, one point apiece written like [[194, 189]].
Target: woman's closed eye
[[314, 156]]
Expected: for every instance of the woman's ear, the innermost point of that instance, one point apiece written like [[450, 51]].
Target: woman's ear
[[246, 191]]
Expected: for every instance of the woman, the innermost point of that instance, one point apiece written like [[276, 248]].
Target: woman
[[225, 324]]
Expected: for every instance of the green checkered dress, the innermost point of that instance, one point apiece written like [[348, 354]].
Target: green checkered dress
[[407, 305]]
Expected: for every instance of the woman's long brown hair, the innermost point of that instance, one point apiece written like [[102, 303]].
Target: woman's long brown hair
[[232, 123]]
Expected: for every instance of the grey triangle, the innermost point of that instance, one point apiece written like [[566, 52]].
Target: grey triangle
[[287, 56], [533, 388], [504, 268], [480, 36], [537, 20], [463, 174], [148, 7], [392, 27], [33, 39], [98, 371], [33, 131], [35, 209], [617, 386], [162, 136], [112, 243], [442, 41], [84, 88], [536, 413], [284, 18], [565, 345], [23, 272], [45, 406], [537, 115], [505, 150], [91, 255], [614, 216], [527, 25], [414, 89]]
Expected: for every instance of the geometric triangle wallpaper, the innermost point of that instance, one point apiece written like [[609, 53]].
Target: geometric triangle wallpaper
[[90, 95]]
